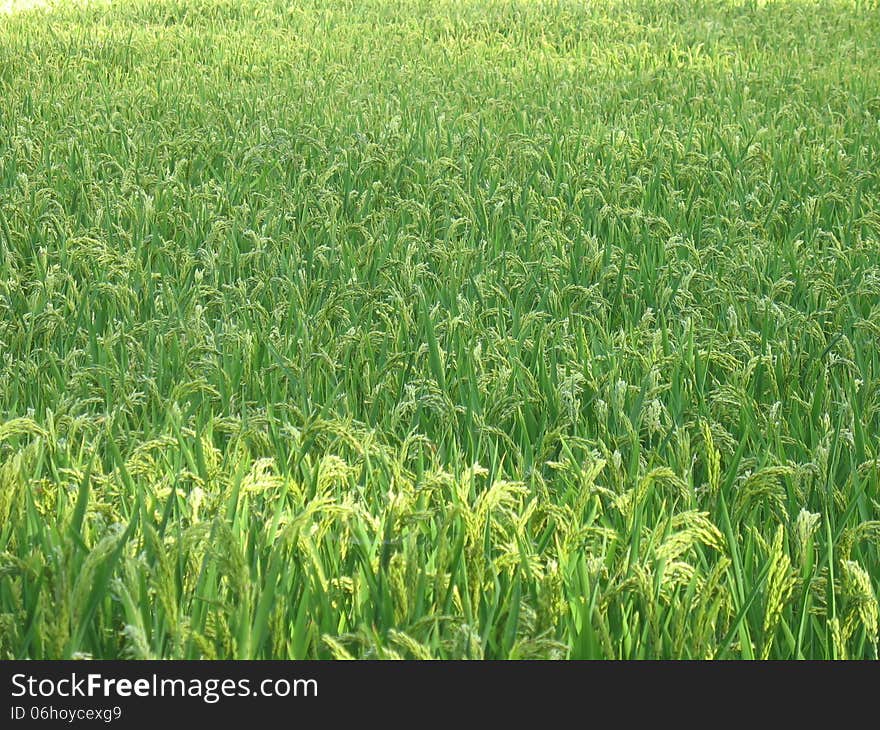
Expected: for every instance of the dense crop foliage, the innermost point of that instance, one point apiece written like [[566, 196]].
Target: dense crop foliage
[[440, 329]]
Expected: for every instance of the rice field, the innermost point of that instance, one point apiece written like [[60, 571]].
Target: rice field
[[451, 329]]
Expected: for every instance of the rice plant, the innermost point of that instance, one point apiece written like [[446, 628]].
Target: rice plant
[[420, 329]]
